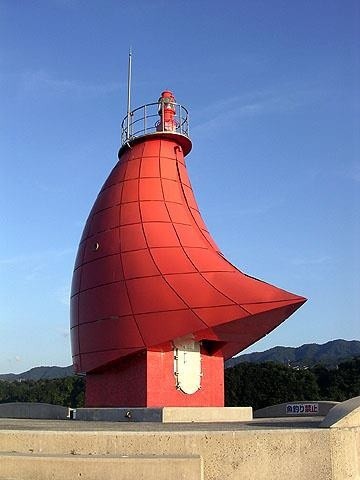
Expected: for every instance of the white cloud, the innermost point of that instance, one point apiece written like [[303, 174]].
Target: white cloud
[[62, 295], [320, 260], [31, 267], [354, 171], [226, 111], [44, 82], [35, 257], [259, 209], [63, 332], [14, 360]]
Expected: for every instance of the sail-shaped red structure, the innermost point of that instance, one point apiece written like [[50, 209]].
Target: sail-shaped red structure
[[155, 307]]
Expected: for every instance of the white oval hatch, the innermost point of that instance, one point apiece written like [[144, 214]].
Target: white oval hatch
[[187, 365]]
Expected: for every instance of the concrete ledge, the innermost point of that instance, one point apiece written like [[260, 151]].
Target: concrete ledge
[[96, 467], [206, 414], [165, 414], [118, 414], [343, 415], [33, 410], [296, 409]]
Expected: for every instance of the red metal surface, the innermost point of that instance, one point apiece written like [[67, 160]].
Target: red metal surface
[[145, 379], [148, 272]]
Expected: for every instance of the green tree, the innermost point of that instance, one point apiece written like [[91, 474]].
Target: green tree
[[261, 385]]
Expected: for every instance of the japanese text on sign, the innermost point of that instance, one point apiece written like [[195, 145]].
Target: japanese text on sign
[[302, 408]]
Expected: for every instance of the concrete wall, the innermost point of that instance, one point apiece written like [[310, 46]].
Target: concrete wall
[[257, 453], [33, 410], [283, 410], [71, 467]]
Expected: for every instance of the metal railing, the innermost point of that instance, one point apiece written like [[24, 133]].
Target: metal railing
[[146, 120]]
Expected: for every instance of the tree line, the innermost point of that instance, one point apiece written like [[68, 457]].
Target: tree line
[[246, 384], [264, 384], [67, 391]]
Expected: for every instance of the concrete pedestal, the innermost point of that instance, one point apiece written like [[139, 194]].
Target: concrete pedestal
[[165, 415]]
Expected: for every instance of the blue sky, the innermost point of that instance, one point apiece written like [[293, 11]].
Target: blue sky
[[273, 93]]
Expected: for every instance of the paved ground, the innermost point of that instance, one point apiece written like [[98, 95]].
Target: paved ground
[[82, 426]]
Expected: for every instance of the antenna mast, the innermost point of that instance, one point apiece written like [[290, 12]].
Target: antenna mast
[[128, 97]]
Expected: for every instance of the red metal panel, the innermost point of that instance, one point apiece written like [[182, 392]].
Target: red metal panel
[[104, 301], [102, 245], [263, 307], [79, 257], [168, 325], [172, 191], [133, 169], [101, 271], [184, 177], [91, 361], [150, 167], [172, 260], [107, 198], [190, 236], [74, 310], [179, 214], [251, 291], [154, 211], [189, 196], [169, 169], [168, 149], [130, 213], [151, 148], [206, 260], [212, 316], [150, 189], [104, 220], [202, 296], [107, 334], [198, 220], [138, 263], [75, 283], [137, 151], [130, 192], [153, 294], [132, 237], [160, 235], [118, 173]]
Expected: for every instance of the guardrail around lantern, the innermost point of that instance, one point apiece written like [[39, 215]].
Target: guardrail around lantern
[[150, 118]]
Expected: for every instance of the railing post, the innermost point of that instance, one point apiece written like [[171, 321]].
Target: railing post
[[162, 117], [145, 119], [180, 125]]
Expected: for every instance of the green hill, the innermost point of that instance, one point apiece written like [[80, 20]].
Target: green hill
[[328, 354]]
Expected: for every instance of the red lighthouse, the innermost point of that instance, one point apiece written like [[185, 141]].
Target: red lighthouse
[[155, 307]]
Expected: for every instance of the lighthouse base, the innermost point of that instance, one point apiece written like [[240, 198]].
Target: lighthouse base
[[148, 380]]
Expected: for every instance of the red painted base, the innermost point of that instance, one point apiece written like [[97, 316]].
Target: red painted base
[[147, 380]]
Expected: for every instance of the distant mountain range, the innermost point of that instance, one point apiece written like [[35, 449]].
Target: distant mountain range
[[39, 373], [328, 354]]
